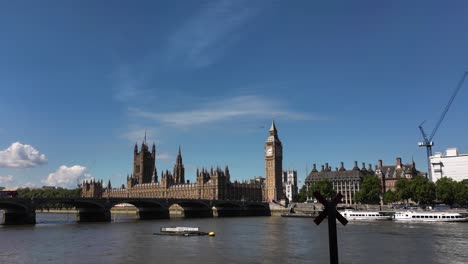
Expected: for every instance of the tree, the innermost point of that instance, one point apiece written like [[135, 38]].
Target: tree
[[422, 191], [403, 189], [370, 191], [50, 193], [445, 190], [302, 196], [390, 197], [461, 193], [325, 188]]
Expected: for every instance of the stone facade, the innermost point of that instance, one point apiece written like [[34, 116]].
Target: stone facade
[[213, 184], [273, 166], [290, 184], [346, 182]]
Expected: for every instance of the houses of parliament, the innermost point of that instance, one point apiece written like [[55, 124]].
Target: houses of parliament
[[211, 184]]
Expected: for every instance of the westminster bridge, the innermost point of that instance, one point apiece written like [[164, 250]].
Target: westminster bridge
[[23, 211]]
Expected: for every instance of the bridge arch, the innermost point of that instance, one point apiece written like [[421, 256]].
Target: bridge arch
[[190, 208], [146, 209], [17, 211]]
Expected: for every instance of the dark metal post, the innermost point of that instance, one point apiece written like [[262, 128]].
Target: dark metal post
[[332, 236]]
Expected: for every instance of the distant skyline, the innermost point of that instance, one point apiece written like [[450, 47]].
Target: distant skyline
[[81, 81]]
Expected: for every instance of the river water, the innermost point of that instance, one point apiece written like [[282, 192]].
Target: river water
[[57, 238]]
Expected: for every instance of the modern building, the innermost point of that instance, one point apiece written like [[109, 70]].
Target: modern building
[[212, 184], [390, 174], [346, 182], [273, 166], [290, 184], [453, 165]]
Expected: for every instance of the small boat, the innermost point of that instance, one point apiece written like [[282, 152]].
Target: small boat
[[365, 215], [412, 216], [183, 231], [298, 215]]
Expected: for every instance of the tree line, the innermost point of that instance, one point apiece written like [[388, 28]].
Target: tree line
[[418, 190], [28, 193]]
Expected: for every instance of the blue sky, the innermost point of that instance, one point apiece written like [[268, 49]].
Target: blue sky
[[80, 81]]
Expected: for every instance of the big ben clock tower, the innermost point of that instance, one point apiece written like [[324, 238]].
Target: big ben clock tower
[[273, 166]]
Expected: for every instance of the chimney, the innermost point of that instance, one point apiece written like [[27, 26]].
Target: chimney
[[370, 167], [380, 164], [314, 167], [355, 166], [398, 162], [363, 166], [323, 168], [326, 166], [342, 167]]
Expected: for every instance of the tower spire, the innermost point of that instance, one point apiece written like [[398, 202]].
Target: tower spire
[[145, 137], [273, 127]]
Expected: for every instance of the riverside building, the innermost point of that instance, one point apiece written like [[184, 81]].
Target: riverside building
[[210, 184], [390, 174], [290, 184], [453, 165], [346, 182]]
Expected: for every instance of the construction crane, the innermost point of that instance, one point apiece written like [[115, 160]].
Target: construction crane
[[427, 140]]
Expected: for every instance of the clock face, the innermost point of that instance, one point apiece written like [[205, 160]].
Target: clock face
[[269, 151]]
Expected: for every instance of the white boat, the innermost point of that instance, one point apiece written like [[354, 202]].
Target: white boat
[[180, 229], [413, 216], [183, 231], [365, 215]]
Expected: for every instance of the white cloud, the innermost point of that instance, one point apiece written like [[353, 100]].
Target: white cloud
[[241, 106], [66, 176], [21, 156], [6, 179], [208, 34]]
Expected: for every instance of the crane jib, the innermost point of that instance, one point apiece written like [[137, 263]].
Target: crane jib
[[428, 140]]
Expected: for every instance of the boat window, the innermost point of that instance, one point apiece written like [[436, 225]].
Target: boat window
[[413, 216], [443, 216]]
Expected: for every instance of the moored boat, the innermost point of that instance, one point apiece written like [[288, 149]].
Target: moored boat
[[298, 215], [183, 231], [365, 215], [413, 216]]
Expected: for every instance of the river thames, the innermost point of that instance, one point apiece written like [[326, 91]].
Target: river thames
[[58, 239]]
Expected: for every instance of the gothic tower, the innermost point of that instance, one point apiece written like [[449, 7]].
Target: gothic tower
[[179, 171], [273, 166], [144, 163]]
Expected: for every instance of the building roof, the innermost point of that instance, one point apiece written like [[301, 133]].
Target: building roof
[[393, 171], [328, 174]]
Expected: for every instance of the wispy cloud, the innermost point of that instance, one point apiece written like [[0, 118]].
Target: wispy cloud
[[237, 107], [206, 36], [138, 134], [164, 157], [21, 156], [130, 85]]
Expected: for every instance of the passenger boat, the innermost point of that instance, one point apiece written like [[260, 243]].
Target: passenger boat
[[183, 231], [365, 215], [412, 216]]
